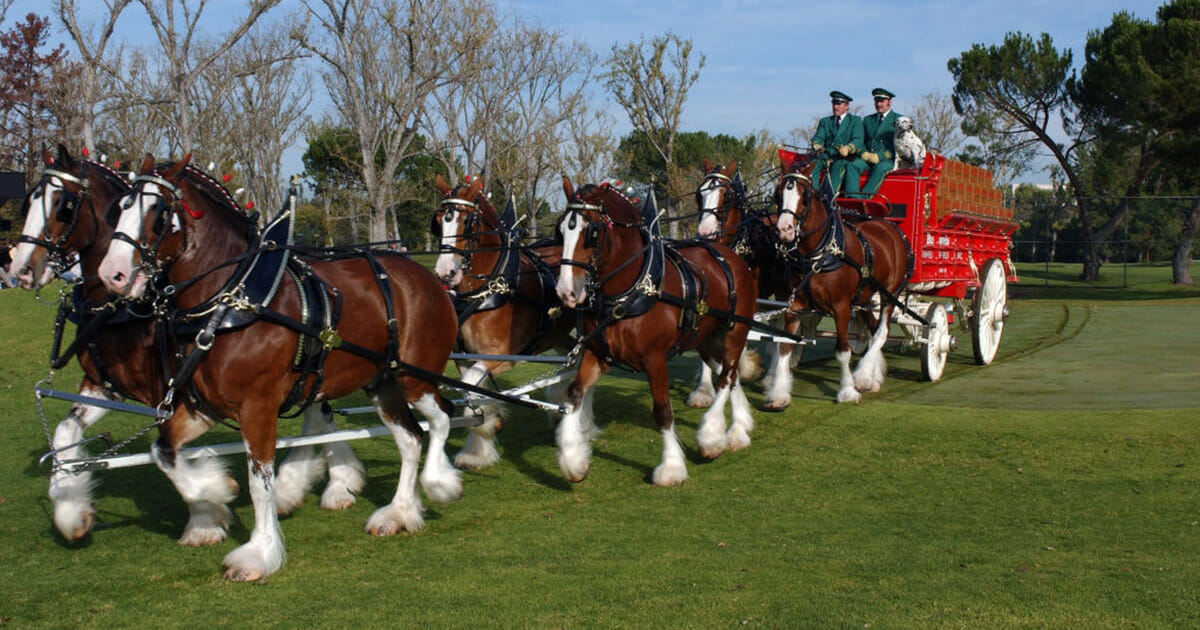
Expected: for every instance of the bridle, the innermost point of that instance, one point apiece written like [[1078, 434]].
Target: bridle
[[790, 181], [161, 210], [472, 230], [66, 210], [596, 234], [719, 181]]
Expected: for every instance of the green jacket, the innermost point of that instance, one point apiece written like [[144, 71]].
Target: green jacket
[[831, 137], [881, 135]]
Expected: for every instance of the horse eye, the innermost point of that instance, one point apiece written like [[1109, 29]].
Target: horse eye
[[448, 217], [127, 203]]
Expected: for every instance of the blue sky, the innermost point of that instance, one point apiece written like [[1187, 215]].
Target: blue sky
[[771, 63]]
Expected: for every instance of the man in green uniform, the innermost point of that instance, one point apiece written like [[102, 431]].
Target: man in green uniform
[[880, 131], [837, 143]]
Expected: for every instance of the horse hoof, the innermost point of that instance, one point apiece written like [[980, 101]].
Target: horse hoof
[[240, 574], [776, 405], [699, 400], [711, 453], [337, 499], [849, 395]]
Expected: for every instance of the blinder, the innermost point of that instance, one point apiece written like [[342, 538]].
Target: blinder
[[591, 234], [67, 207]]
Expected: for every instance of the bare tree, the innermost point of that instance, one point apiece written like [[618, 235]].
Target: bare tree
[[132, 125], [590, 145], [265, 106], [382, 61], [187, 57], [91, 42], [551, 75], [937, 123], [650, 81]]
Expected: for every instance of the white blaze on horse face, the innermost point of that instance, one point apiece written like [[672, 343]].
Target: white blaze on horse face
[[571, 289], [31, 273], [789, 206], [449, 263], [710, 202], [117, 270]]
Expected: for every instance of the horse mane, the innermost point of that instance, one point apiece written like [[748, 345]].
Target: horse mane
[[607, 190], [211, 188], [109, 174]]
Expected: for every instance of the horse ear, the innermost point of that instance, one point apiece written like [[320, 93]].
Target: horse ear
[[732, 168], [174, 171], [568, 189], [64, 157], [147, 165], [707, 165], [441, 185], [476, 186]]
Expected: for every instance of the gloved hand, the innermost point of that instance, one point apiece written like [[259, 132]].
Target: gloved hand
[[870, 158], [844, 150], [819, 148]]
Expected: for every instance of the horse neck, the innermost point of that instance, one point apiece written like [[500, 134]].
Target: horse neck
[[97, 234], [732, 228], [213, 239], [485, 263], [626, 249], [815, 226]]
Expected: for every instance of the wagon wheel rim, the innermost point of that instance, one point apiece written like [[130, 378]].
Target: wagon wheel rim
[[937, 343], [991, 304]]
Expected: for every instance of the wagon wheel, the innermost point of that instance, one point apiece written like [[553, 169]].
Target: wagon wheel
[[938, 342], [990, 311]]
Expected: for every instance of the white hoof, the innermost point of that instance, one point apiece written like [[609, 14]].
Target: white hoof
[[778, 404], [849, 395], [574, 461], [443, 485], [477, 453], [337, 497], [711, 443], [250, 562], [207, 524], [700, 398], [737, 438], [866, 383], [669, 475], [392, 519]]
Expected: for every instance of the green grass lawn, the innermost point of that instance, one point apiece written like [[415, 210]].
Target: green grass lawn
[[1058, 487]]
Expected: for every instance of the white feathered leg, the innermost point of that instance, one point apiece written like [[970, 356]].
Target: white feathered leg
[[702, 394], [710, 436], [404, 512], [779, 392], [672, 471], [71, 493], [743, 419], [440, 479], [302, 467], [574, 441], [869, 373], [207, 488], [480, 449], [347, 476], [846, 389], [264, 553]]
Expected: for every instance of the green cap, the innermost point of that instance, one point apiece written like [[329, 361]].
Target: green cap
[[839, 97], [881, 93]]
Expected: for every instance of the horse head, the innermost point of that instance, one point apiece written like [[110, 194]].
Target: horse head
[[719, 198], [49, 238], [589, 242], [464, 223], [796, 198]]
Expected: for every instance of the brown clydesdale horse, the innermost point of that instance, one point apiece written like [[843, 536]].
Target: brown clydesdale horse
[[504, 295], [393, 341], [66, 217], [641, 303], [852, 262], [727, 217]]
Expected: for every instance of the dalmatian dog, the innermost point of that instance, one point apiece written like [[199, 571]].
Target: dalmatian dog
[[910, 150]]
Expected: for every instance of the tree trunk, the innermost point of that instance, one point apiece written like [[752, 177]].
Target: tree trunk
[[1181, 272]]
